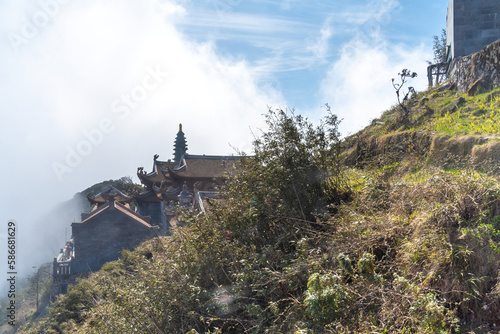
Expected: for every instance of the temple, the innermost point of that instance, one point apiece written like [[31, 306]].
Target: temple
[[118, 221], [200, 174]]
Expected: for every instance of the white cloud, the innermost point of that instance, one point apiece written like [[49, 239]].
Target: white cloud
[[320, 46], [95, 54], [61, 85], [172, 9], [249, 23], [80, 66], [358, 84]]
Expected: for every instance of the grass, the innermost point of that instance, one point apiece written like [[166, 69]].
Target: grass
[[413, 248], [477, 115]]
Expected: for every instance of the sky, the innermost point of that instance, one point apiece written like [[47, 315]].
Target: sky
[[93, 89]]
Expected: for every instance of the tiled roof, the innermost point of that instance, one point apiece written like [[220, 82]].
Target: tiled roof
[[122, 208], [157, 175], [95, 213], [149, 196], [205, 166], [137, 217], [104, 196]]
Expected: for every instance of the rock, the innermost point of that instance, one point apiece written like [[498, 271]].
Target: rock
[[465, 72], [453, 106], [478, 87], [484, 140]]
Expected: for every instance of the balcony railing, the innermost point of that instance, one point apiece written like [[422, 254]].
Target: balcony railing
[[62, 268]]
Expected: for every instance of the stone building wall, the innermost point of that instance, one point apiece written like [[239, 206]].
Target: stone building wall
[[472, 24], [100, 239], [478, 72]]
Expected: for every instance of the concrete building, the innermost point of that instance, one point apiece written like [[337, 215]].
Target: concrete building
[[471, 25]]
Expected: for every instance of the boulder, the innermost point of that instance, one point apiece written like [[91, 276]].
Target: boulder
[[453, 106]]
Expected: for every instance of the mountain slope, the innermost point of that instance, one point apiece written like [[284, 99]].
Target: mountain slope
[[443, 125], [392, 235]]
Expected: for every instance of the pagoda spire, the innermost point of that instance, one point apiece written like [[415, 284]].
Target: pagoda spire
[[180, 145]]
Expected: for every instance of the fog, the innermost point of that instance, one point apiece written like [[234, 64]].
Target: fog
[[92, 90]]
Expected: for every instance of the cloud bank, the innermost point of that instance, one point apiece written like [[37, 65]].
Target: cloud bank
[[359, 85], [98, 90], [92, 90]]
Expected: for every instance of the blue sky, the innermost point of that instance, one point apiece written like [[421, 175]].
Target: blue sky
[[91, 90]]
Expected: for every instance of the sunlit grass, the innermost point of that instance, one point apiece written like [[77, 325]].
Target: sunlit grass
[[476, 116]]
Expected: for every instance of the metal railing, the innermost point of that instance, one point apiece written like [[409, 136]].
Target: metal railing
[[61, 268], [439, 70]]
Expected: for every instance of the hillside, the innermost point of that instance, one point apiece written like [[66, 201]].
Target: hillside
[[395, 229], [444, 125]]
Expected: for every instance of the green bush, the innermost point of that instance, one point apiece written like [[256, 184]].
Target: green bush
[[326, 298]]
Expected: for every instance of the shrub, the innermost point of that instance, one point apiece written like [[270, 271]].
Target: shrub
[[326, 298]]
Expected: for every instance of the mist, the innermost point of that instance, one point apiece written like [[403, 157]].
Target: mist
[[95, 93], [93, 90]]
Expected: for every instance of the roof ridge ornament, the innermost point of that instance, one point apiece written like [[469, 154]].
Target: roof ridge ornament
[[185, 197]]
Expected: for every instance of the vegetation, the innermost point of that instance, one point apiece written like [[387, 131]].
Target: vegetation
[[483, 120], [429, 111], [404, 75], [302, 243], [124, 184], [438, 66], [32, 290], [440, 47]]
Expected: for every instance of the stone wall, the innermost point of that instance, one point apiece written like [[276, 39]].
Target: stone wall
[[100, 239], [472, 24], [478, 72]]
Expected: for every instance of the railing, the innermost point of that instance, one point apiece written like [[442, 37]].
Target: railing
[[61, 268], [440, 70]]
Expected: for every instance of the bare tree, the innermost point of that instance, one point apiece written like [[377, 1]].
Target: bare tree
[[405, 74]]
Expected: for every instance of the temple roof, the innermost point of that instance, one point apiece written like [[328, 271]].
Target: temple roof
[[190, 166], [105, 195], [120, 207], [168, 175], [151, 196], [203, 166], [137, 217], [156, 175]]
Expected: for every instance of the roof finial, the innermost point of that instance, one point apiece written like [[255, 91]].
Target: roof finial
[[180, 127]]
